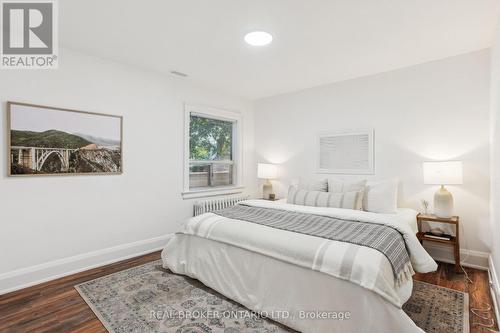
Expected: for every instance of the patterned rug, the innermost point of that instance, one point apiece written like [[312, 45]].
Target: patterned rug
[[148, 298], [438, 310]]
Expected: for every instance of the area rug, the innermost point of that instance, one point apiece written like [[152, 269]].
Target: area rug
[[438, 310], [149, 298]]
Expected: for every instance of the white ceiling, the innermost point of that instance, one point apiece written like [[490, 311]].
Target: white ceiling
[[315, 42]]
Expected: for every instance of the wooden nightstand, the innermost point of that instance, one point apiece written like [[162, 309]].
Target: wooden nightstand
[[454, 241]]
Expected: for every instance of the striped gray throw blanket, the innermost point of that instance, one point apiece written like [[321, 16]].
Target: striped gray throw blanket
[[383, 238]]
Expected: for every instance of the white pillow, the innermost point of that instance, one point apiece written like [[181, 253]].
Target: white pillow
[[340, 186], [303, 197], [314, 185], [336, 185], [381, 196]]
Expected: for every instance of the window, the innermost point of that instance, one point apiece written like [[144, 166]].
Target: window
[[212, 152]]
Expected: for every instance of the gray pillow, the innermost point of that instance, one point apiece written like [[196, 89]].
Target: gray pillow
[[348, 200], [340, 186]]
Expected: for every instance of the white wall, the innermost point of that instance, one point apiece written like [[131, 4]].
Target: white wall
[[55, 218], [437, 110]]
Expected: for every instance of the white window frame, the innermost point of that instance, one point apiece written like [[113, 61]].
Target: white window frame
[[214, 113]]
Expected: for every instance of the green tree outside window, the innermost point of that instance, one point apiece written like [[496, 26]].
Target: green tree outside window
[[210, 139]]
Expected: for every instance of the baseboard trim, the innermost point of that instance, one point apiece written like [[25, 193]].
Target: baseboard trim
[[494, 286], [469, 258], [33, 275]]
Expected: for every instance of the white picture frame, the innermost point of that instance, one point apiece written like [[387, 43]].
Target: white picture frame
[[346, 152]]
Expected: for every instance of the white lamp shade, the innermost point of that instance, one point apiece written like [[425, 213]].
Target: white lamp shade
[[443, 173], [267, 171]]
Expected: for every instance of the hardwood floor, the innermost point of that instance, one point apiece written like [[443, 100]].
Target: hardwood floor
[[56, 306]]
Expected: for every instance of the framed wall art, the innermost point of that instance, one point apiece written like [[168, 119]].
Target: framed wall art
[[46, 140], [346, 152]]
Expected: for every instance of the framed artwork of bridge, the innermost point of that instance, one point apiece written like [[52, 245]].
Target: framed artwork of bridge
[[44, 141]]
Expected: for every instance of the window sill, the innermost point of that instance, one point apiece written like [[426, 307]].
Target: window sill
[[212, 192]]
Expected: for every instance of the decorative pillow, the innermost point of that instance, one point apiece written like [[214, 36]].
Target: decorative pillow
[[303, 197], [314, 185], [381, 196], [336, 185], [340, 186]]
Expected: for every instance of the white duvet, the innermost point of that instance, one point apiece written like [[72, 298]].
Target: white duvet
[[364, 267]]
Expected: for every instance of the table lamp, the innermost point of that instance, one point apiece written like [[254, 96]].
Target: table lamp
[[443, 173], [267, 172]]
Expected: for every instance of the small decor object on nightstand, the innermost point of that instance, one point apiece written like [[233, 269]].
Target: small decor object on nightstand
[[443, 173], [442, 238], [425, 205], [267, 172]]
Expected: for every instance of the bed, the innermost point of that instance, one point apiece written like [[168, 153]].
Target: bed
[[295, 277]]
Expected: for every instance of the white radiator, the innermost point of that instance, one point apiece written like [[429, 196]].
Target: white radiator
[[206, 206]]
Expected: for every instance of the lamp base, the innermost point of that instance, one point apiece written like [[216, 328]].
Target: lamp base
[[267, 189], [443, 203]]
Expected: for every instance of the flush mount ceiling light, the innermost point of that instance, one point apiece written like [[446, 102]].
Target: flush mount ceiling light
[[258, 38]]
